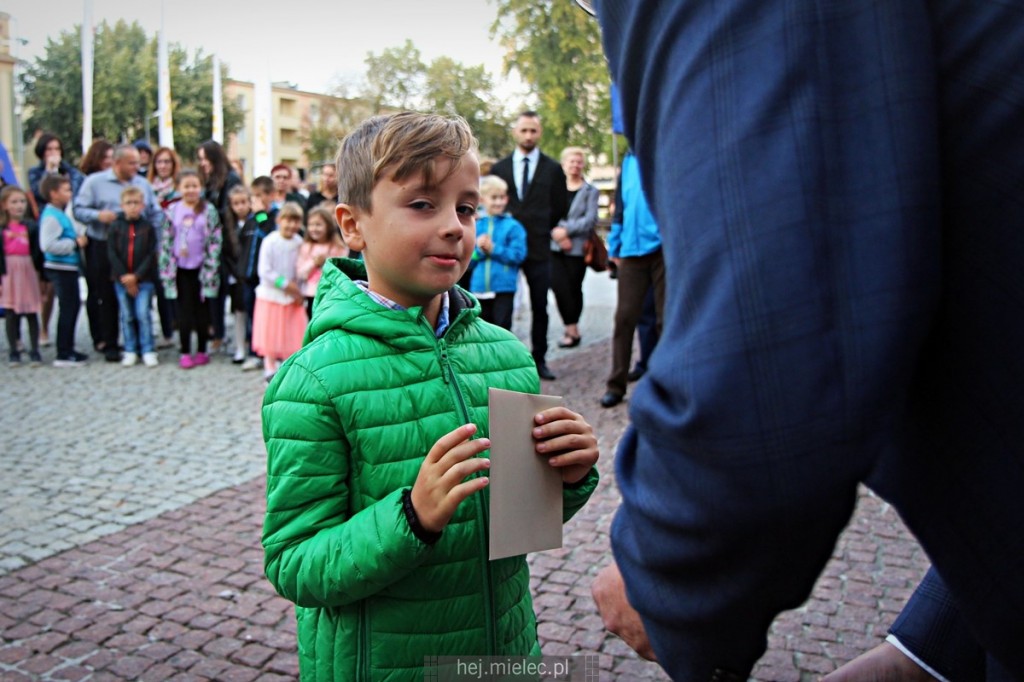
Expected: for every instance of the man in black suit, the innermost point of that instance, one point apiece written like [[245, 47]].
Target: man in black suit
[[538, 199]]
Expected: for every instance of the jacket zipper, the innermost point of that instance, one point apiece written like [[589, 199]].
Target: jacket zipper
[[449, 376], [363, 663], [490, 256]]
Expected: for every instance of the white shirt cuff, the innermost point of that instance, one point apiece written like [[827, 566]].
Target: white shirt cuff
[[892, 639]]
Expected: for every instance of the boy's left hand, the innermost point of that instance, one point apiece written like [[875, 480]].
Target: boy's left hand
[[567, 440]]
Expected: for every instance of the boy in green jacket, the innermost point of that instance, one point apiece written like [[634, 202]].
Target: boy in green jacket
[[376, 522]]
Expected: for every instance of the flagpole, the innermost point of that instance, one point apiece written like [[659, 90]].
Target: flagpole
[[88, 36], [166, 126], [218, 104], [262, 107]]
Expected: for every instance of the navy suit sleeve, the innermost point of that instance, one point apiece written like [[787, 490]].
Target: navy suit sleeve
[[931, 628], [788, 150]]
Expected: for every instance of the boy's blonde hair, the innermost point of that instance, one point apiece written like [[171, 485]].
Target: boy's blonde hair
[[131, 191], [290, 210], [402, 144], [490, 184]]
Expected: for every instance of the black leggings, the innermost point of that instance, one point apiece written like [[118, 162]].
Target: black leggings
[[193, 312], [13, 321]]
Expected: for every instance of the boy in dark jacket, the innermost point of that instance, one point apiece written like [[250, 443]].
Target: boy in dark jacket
[[377, 501], [132, 249], [261, 222]]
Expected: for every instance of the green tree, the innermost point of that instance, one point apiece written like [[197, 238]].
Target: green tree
[[468, 91], [395, 78], [556, 49], [124, 90], [399, 79], [337, 117]]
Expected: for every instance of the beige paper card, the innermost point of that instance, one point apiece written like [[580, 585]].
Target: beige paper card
[[525, 491]]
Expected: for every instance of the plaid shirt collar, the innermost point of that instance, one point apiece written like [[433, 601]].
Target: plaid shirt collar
[[442, 317]]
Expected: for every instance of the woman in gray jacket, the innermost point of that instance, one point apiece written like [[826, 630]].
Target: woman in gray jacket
[[567, 240]]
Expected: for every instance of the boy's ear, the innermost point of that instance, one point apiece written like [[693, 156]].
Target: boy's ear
[[348, 220]]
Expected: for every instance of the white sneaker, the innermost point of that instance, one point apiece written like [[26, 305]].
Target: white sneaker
[[150, 359], [129, 359], [251, 364]]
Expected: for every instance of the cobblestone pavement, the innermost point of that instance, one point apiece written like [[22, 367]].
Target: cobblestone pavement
[[130, 510]]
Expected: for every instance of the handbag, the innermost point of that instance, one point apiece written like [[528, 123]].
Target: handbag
[[595, 253]]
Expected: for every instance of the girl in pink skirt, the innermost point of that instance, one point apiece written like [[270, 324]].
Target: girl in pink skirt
[[20, 259], [279, 319]]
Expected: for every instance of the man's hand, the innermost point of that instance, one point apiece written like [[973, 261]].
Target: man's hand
[[440, 485], [619, 617], [106, 217], [884, 663]]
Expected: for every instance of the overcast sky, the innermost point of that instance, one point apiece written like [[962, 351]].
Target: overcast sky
[[307, 47]]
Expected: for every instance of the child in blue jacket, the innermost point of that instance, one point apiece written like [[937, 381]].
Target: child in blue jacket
[[500, 249]]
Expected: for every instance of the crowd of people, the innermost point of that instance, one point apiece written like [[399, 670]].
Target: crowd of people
[[141, 227], [188, 241]]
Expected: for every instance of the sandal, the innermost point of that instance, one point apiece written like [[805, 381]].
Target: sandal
[[569, 341]]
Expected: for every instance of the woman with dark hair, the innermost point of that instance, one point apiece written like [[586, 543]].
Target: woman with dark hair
[[50, 152], [218, 178], [100, 156]]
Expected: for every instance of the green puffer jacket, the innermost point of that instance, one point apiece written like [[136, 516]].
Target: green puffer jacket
[[347, 422]]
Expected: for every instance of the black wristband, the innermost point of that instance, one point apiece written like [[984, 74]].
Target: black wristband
[[428, 537]]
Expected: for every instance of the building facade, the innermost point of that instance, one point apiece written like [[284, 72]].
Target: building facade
[[303, 124]]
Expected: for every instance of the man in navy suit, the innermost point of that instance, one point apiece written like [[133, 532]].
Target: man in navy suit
[[537, 198], [840, 187]]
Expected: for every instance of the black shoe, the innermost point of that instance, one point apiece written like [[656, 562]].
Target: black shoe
[[635, 374], [572, 341], [543, 372], [611, 399], [112, 356]]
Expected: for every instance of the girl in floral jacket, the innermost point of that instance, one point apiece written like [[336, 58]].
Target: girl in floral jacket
[[190, 264]]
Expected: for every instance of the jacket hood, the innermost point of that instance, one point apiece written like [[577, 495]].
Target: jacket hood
[[341, 304]]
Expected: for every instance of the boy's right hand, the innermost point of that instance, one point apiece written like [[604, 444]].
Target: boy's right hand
[[440, 486], [82, 240], [485, 244]]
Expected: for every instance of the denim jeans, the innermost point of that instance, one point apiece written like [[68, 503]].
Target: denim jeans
[[136, 310]]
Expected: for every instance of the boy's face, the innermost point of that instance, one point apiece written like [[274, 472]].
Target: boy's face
[[60, 196], [260, 200], [132, 207], [495, 202], [418, 240]]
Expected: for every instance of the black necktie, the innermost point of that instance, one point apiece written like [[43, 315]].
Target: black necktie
[[525, 184]]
